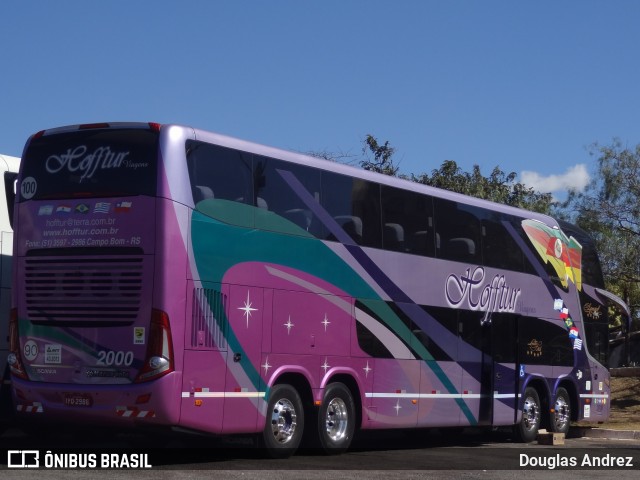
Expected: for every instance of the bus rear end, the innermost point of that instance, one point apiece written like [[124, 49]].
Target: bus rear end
[[86, 340]]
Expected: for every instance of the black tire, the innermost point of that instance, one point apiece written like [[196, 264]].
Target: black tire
[[527, 430], [336, 419], [7, 410], [284, 424], [561, 417]]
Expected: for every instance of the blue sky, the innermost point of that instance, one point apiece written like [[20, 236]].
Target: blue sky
[[525, 85]]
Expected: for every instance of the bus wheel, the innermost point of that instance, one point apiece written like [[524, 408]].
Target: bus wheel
[[561, 416], [336, 419], [527, 430], [285, 422]]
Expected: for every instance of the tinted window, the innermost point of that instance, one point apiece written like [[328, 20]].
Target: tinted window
[[504, 337], [448, 318], [280, 197], [499, 249], [595, 317], [407, 222], [543, 343], [355, 206], [457, 232], [367, 341], [90, 163], [219, 173]]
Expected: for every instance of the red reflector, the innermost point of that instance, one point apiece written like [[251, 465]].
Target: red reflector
[[39, 134], [143, 398], [155, 126]]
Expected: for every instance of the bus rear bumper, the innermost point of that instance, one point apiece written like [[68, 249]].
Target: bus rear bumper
[[152, 403]]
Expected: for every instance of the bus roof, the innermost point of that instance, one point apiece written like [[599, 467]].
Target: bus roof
[[336, 167], [259, 149]]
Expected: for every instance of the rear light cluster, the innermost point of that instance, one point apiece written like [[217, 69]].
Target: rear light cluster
[[14, 358], [159, 359]]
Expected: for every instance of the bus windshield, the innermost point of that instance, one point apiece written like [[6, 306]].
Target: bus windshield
[[91, 163]]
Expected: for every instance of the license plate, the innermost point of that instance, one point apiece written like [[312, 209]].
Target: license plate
[[78, 400]]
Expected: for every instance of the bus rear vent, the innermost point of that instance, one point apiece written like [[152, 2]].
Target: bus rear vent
[[208, 325], [78, 290]]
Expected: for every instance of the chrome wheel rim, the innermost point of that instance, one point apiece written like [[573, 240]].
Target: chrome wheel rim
[[336, 419], [530, 414], [562, 413], [283, 421]]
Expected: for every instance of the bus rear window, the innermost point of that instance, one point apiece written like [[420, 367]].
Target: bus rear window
[[90, 163]]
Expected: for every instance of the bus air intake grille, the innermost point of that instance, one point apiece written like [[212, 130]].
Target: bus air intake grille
[[208, 325], [75, 291]]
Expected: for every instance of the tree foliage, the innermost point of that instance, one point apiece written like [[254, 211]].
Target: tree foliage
[[609, 209], [383, 161], [499, 186]]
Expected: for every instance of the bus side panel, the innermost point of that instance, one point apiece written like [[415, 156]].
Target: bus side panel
[[205, 357], [307, 323], [437, 408], [202, 403], [242, 388], [396, 387]]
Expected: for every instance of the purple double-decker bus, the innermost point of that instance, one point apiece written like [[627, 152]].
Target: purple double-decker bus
[[168, 276]]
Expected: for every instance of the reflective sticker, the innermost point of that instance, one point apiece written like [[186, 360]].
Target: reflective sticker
[[28, 188], [30, 350], [53, 353]]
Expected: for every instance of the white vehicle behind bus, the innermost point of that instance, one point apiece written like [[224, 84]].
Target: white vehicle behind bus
[[9, 171]]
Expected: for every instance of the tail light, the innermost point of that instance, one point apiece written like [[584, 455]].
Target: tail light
[[14, 359], [159, 359]]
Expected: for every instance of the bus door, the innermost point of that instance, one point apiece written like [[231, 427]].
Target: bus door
[[474, 356], [506, 373]]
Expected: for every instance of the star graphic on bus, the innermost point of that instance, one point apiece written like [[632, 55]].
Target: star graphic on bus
[[266, 365], [289, 325], [367, 369], [397, 407], [247, 309], [325, 366], [325, 322]]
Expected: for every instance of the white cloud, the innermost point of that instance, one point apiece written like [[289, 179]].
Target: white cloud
[[575, 178]]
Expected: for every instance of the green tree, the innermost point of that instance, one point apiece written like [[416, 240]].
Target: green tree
[[609, 209], [498, 187], [383, 161]]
